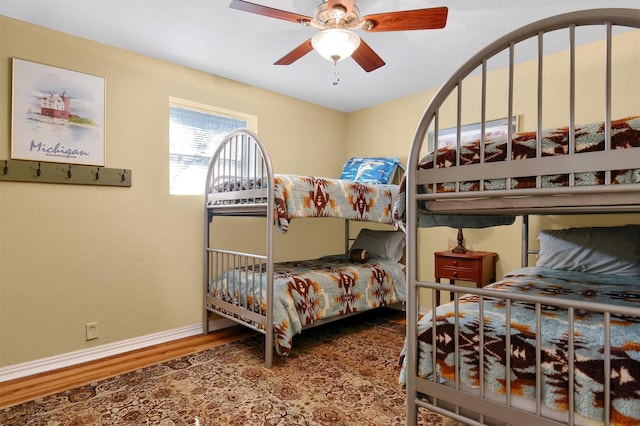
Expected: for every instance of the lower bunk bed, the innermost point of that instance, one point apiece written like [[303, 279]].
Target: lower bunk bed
[[581, 380], [554, 344], [280, 299]]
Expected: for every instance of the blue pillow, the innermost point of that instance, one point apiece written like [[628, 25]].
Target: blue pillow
[[375, 170], [600, 250]]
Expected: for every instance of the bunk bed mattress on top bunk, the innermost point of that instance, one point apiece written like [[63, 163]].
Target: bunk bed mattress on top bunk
[[307, 291], [589, 364], [307, 196], [625, 133]]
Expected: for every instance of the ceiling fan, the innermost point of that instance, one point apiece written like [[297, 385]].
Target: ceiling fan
[[335, 20]]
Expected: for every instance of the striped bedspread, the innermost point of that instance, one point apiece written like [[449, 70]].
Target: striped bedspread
[[589, 343]]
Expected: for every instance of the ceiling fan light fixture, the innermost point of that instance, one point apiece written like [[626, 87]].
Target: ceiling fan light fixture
[[335, 44]]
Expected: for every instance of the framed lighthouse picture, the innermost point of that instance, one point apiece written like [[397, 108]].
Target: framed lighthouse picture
[[58, 115]]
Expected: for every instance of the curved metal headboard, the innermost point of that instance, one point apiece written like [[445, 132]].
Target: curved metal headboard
[[610, 17]]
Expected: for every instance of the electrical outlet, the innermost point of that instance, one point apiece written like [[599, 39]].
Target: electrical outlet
[[91, 329]]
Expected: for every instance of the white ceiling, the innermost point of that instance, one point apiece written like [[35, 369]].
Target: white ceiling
[[208, 36]]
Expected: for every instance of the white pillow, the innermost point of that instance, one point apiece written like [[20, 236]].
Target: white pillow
[[600, 250], [381, 244]]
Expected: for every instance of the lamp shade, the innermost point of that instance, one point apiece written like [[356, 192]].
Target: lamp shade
[[335, 44]]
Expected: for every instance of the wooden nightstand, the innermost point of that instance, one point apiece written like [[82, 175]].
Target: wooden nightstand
[[473, 266]]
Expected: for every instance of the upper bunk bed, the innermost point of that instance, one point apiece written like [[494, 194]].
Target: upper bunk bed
[[481, 359], [572, 168], [279, 299], [241, 181]]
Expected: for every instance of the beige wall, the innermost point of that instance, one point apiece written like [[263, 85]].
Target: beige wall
[[131, 258]]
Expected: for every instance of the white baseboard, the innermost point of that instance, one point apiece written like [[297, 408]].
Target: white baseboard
[[73, 358]]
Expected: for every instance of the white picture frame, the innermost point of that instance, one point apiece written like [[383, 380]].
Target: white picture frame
[[57, 115], [448, 138]]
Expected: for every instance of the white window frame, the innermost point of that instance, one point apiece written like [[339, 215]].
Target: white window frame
[[198, 187]]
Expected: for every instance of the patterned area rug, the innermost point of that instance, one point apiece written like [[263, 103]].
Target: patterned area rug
[[345, 373]]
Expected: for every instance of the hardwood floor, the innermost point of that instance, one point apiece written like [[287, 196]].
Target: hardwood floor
[[27, 388]]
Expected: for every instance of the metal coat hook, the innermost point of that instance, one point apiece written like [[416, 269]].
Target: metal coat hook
[[67, 173]]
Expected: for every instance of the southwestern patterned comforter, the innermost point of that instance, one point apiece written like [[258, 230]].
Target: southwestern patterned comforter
[[306, 196], [309, 196], [589, 365], [588, 137], [311, 290]]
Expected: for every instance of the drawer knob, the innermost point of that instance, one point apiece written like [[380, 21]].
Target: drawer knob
[[455, 263], [455, 274]]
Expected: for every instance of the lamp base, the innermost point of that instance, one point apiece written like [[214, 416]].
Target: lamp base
[[459, 248]]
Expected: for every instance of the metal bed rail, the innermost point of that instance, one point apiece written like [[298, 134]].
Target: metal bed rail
[[237, 286], [238, 172], [504, 411]]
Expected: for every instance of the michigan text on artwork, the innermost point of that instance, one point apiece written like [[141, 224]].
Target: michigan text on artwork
[[58, 150]]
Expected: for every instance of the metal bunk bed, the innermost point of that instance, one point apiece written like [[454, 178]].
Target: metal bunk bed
[[435, 190], [279, 299]]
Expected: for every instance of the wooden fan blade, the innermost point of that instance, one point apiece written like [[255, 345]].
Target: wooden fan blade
[[245, 6], [405, 20], [367, 58], [348, 4], [295, 54]]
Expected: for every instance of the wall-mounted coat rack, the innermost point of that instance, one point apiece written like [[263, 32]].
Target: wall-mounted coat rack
[[45, 172]]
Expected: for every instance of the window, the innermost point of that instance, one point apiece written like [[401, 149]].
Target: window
[[195, 130]]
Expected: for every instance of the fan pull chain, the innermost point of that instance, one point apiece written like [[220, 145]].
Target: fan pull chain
[[336, 73]]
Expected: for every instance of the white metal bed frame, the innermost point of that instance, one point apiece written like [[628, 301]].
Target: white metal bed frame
[[252, 202], [255, 200], [452, 401]]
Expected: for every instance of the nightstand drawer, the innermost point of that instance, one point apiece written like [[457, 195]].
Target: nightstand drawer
[[456, 263], [468, 272]]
